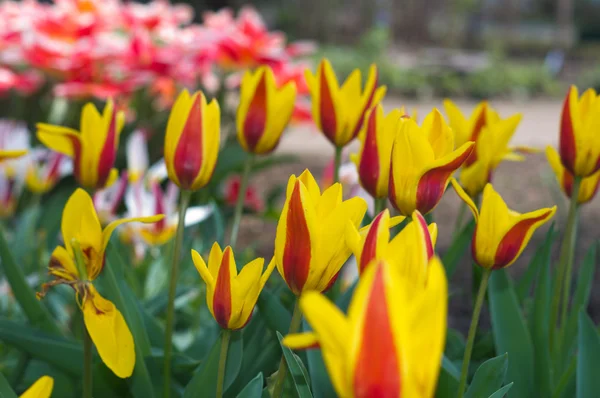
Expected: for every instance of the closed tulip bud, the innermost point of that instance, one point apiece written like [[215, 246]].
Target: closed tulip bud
[[192, 140], [231, 297], [339, 111], [588, 186], [264, 111], [416, 242], [500, 234], [423, 159], [376, 139], [391, 342], [579, 144], [93, 148], [310, 245]]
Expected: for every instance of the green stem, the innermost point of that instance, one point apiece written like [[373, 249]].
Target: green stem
[[380, 204], [565, 378], [472, 329], [239, 205], [185, 201], [87, 364], [565, 264], [225, 337], [337, 161], [282, 372]]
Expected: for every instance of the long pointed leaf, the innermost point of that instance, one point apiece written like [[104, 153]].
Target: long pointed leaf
[[296, 371], [488, 377], [448, 380], [5, 390], [501, 393], [254, 388], [277, 317], [588, 362], [523, 285]]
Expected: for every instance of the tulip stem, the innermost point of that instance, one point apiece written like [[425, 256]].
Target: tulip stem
[[184, 202], [87, 364], [283, 368], [472, 330], [337, 161], [225, 337], [239, 205], [379, 205]]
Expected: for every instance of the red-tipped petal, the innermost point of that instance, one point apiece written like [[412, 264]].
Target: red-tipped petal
[[377, 370], [369, 251], [327, 109], [188, 154], [256, 117], [433, 183], [368, 168], [297, 251], [109, 152], [427, 236], [567, 147], [222, 296], [367, 105]]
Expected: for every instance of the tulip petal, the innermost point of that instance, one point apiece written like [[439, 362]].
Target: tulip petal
[[369, 165], [376, 240], [465, 198], [59, 139], [175, 125], [568, 122], [301, 341], [190, 151], [11, 154], [222, 308], [42, 388], [459, 124], [202, 268], [256, 114], [110, 333], [212, 141], [62, 265], [326, 112]]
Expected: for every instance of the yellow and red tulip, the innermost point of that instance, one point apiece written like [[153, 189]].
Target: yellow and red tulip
[[423, 159], [93, 148], [588, 186], [310, 247], [44, 173], [339, 111], [373, 241], [500, 234], [579, 144], [42, 388], [373, 160], [264, 110], [390, 343], [230, 296], [82, 231], [192, 140]]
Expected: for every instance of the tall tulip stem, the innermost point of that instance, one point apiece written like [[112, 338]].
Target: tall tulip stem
[[379, 205], [283, 369], [239, 205], [225, 337], [87, 364], [565, 264], [337, 162], [472, 330], [184, 202]]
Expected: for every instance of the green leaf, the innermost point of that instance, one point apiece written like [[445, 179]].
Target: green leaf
[[254, 388], [588, 361], [64, 354], [204, 381], [502, 392], [5, 390], [277, 317], [488, 377], [523, 285], [455, 344], [448, 380], [297, 371], [511, 334], [457, 248], [33, 308]]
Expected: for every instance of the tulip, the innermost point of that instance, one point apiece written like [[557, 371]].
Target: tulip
[[390, 343], [77, 264], [231, 297], [264, 111], [10, 154], [339, 111], [45, 170], [588, 186], [423, 159], [192, 140], [373, 241], [376, 139], [93, 148], [501, 234], [579, 146], [310, 248], [466, 130], [42, 388]]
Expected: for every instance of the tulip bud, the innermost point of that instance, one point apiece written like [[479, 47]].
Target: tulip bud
[[588, 186]]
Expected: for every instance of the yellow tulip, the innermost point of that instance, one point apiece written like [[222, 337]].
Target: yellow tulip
[[339, 111], [84, 238], [423, 159], [192, 140], [9, 154], [390, 343], [310, 247], [93, 148], [588, 186], [501, 234], [264, 110], [231, 297], [42, 388]]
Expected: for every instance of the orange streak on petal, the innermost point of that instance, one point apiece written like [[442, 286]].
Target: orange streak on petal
[[256, 117], [109, 152], [567, 136], [426, 235], [222, 297], [368, 168], [369, 251], [327, 109], [188, 154]]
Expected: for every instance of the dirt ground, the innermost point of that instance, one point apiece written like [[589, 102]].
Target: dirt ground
[[525, 186]]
